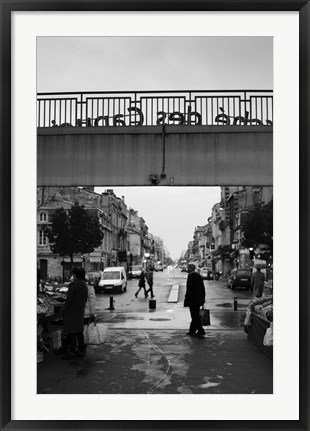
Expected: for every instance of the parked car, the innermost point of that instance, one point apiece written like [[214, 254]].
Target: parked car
[[135, 271], [113, 278], [210, 275], [239, 278], [204, 272], [159, 267]]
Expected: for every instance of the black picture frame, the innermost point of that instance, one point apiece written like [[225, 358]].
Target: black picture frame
[[9, 6]]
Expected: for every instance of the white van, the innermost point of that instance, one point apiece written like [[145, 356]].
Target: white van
[[113, 278]]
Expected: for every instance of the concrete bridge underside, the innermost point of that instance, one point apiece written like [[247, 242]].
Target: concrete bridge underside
[[127, 156]]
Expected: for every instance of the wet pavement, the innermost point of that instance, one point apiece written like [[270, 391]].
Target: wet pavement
[[161, 362], [170, 319], [148, 352]]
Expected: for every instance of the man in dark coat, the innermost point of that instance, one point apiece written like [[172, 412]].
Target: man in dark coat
[[149, 279], [194, 298], [73, 313]]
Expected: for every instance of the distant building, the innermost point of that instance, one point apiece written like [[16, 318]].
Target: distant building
[[126, 238], [218, 244], [237, 203], [49, 199]]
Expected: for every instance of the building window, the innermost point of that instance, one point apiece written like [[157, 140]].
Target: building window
[[43, 216], [43, 237]]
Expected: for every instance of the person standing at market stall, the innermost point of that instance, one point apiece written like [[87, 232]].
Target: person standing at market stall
[[257, 283], [194, 298], [73, 314]]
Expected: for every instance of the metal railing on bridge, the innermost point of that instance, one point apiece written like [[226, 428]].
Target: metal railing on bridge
[[151, 108]]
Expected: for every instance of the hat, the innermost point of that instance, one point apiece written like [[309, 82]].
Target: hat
[[191, 266], [79, 272]]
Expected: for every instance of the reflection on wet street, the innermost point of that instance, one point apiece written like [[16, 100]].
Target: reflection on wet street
[[135, 313], [147, 351]]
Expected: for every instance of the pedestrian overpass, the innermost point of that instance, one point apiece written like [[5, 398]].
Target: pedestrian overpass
[[193, 138]]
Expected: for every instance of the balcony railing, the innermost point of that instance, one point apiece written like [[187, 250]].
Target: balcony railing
[[206, 108]]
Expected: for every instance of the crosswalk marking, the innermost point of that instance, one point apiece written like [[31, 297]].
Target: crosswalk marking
[[174, 293]]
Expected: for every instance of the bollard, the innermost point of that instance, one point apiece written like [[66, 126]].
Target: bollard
[[235, 303], [112, 302], [152, 304]]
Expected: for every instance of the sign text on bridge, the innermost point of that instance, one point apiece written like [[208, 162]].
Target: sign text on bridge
[[212, 108]]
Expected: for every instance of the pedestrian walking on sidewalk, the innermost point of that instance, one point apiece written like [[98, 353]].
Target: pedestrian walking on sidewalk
[[257, 283], [141, 284], [73, 313], [149, 279], [194, 298]]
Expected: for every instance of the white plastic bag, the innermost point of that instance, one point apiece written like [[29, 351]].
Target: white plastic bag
[[247, 319], [268, 338], [94, 333]]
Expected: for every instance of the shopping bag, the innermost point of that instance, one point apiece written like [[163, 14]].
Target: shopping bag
[[205, 316], [247, 319], [94, 333], [268, 338]]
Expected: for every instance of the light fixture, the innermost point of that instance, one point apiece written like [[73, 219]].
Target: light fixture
[[155, 179]]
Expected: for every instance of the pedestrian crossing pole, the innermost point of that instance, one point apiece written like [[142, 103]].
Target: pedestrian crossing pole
[[112, 302], [235, 303]]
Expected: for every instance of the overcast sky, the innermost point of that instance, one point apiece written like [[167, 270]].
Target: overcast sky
[[158, 63]]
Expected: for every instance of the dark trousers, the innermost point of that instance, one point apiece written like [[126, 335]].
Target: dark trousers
[[75, 342], [196, 322], [150, 289], [141, 287]]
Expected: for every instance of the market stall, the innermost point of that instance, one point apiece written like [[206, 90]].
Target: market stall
[[49, 322], [258, 323]]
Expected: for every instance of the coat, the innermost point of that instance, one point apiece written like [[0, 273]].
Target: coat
[[142, 279], [149, 277], [257, 283], [73, 309], [91, 301], [195, 291]]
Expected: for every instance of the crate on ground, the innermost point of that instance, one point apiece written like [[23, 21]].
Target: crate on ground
[[56, 339]]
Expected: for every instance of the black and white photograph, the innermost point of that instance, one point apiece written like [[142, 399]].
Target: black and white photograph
[[155, 215]]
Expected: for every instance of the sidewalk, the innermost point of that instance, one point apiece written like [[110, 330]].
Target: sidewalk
[[161, 361]]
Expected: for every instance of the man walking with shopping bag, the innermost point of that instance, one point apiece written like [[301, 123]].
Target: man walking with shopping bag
[[194, 299]]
